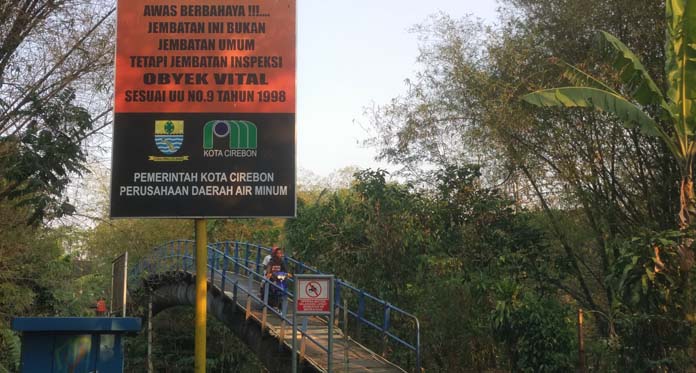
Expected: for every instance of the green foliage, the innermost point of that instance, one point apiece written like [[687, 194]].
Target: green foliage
[[536, 331], [47, 50], [174, 347], [679, 65], [650, 307], [590, 181], [266, 231], [37, 165], [37, 278], [492, 279], [632, 72], [679, 71], [438, 252], [9, 351]]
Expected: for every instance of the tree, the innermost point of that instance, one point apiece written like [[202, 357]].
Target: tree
[[592, 183], [641, 94], [55, 56], [438, 252]]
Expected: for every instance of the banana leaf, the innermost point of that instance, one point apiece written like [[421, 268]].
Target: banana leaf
[[680, 64], [602, 100], [581, 78], [634, 75]]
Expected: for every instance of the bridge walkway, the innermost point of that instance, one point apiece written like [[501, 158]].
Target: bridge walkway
[[234, 270], [312, 334]]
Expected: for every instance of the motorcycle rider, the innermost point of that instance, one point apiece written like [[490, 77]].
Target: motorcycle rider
[[276, 264]]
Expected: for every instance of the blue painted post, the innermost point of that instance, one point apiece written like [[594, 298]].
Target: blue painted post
[[337, 300], [246, 258], [174, 260], [211, 265], [225, 261], [385, 329], [250, 289], [182, 252], [236, 257], [178, 256], [191, 248], [361, 312], [258, 259], [234, 292], [265, 293], [184, 256], [284, 307]]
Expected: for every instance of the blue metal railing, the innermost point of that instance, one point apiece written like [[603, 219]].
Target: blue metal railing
[[244, 259]]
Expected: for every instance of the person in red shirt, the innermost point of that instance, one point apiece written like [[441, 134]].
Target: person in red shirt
[[276, 264], [101, 306]]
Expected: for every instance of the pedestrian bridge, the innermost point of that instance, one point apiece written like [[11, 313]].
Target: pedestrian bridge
[[369, 333]]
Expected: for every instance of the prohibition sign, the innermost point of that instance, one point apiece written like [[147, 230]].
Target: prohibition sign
[[313, 289]]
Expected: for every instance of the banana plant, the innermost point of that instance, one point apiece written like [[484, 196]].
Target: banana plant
[[676, 107]]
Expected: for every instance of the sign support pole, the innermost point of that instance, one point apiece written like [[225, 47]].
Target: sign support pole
[[346, 343], [294, 332], [201, 293], [331, 326]]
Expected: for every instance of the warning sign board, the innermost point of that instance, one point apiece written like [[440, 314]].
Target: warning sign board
[[204, 122], [314, 294]]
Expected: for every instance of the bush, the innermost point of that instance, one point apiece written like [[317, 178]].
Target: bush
[[537, 332]]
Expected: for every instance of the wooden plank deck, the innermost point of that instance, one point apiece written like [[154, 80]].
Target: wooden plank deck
[[360, 358]]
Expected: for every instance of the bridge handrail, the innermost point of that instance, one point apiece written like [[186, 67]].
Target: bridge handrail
[[242, 265], [357, 314], [282, 314]]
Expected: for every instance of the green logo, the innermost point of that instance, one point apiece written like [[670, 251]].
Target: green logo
[[241, 133]]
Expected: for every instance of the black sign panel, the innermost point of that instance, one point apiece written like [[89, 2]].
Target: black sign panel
[[196, 165]]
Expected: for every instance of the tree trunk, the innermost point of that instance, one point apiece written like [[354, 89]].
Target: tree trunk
[[687, 212], [686, 202]]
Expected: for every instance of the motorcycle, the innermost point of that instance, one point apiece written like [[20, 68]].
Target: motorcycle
[[279, 291]]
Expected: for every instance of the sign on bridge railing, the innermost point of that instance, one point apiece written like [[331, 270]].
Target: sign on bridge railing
[[314, 296]]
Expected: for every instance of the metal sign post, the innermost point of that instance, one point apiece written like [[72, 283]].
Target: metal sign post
[[201, 294], [314, 296], [294, 339]]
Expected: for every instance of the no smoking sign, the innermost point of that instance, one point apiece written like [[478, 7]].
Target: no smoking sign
[[313, 295]]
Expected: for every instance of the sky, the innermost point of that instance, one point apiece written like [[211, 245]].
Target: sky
[[351, 54]]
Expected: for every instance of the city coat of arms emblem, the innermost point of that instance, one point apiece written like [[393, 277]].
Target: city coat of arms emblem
[[169, 135]]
